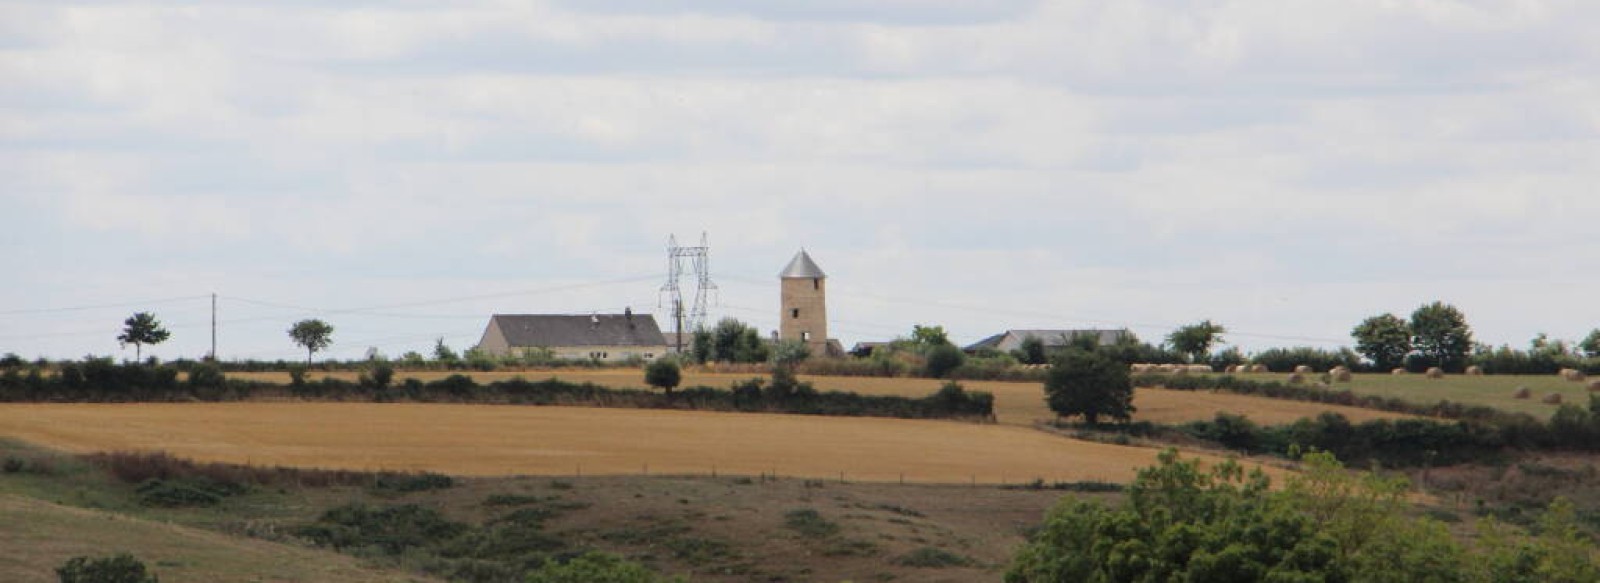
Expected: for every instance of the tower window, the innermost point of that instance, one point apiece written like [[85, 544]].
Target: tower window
[[816, 283], [795, 313], [805, 336]]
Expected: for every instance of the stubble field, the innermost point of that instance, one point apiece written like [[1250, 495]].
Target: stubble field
[[512, 440], [1016, 403]]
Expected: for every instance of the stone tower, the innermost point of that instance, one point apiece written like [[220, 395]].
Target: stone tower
[[805, 305]]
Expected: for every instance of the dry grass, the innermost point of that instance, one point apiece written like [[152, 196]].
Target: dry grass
[[502, 440], [1018, 404], [45, 535]]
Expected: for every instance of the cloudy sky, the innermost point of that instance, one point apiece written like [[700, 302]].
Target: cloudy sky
[[405, 169]]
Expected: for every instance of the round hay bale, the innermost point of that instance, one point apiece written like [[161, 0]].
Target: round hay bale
[[1201, 368], [1232, 369], [1573, 375], [1475, 370], [1552, 399], [1594, 386], [1296, 378], [1398, 371], [1302, 369], [1522, 393], [1341, 375], [1259, 368], [1180, 371], [1435, 373]]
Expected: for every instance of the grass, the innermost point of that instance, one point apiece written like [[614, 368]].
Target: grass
[[809, 523], [488, 440], [1491, 390]]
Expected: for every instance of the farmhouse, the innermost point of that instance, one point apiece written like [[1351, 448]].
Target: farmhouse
[[1012, 339], [604, 337]]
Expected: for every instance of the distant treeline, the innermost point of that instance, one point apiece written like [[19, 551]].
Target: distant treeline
[[1469, 431], [100, 380]]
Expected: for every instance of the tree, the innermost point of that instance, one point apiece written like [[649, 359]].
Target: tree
[[1087, 383], [1440, 332], [123, 568], [313, 335], [944, 359], [140, 329], [927, 337], [663, 374], [1184, 523], [1032, 351], [1384, 339], [735, 341], [1195, 340], [1591, 344], [443, 353]]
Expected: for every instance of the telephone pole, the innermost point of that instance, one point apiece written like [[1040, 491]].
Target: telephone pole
[[213, 326]]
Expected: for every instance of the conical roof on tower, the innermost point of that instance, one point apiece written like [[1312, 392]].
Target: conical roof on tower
[[802, 267]]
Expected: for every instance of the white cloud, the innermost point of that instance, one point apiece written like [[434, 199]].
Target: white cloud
[[1285, 168]]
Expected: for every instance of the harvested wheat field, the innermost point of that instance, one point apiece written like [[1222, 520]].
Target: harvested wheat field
[[511, 440], [1015, 403]]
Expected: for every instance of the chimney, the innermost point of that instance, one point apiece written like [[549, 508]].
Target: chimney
[[628, 313]]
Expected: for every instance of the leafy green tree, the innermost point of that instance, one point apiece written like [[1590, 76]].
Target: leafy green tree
[[1591, 344], [663, 374], [944, 359], [700, 346], [123, 568], [1384, 339], [1032, 351], [443, 353], [735, 341], [1086, 383], [927, 337], [140, 329], [313, 335], [1196, 340], [1440, 332], [1182, 523]]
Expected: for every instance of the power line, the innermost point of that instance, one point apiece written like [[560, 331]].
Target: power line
[[100, 306]]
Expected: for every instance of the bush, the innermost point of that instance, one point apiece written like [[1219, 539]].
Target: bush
[[663, 374], [123, 568], [809, 523], [932, 558], [594, 567], [943, 359], [407, 482]]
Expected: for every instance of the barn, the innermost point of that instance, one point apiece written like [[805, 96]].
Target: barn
[[1052, 339], [602, 337]]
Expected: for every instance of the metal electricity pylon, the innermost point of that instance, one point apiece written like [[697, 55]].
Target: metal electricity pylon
[[698, 259]]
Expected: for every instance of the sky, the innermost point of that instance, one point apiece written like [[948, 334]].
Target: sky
[[403, 170]]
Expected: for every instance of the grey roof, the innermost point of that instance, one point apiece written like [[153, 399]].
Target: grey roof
[[802, 267], [1051, 338], [562, 330]]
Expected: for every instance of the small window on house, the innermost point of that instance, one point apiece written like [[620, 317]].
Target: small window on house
[[795, 313], [805, 336]]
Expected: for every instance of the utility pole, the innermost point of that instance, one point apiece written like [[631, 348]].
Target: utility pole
[[213, 326]]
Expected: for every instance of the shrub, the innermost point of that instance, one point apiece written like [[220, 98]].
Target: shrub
[[932, 558], [594, 567], [123, 568], [943, 359], [809, 523], [408, 482], [663, 374], [390, 530]]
